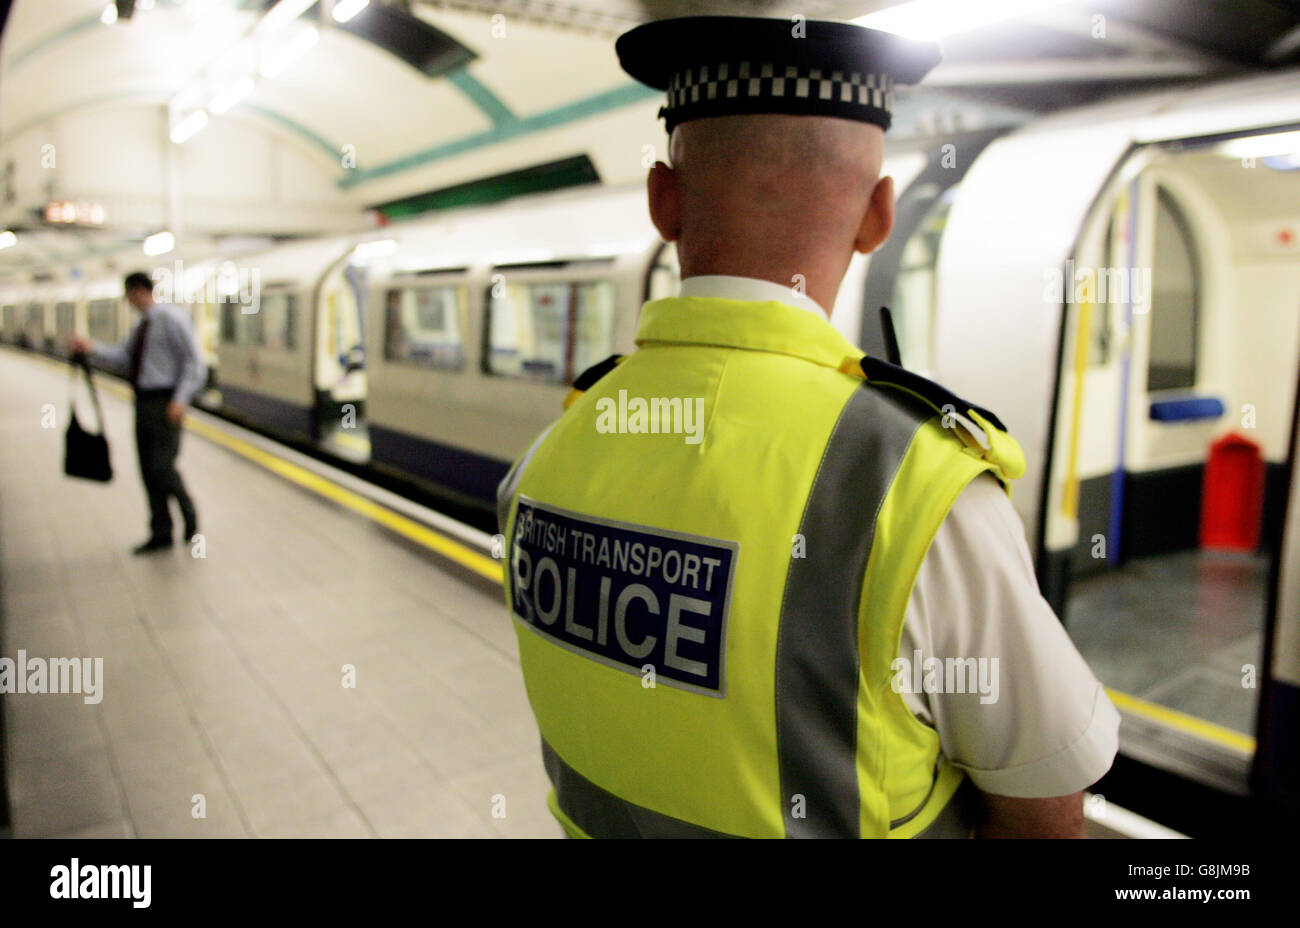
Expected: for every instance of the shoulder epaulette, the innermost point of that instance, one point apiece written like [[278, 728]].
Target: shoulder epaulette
[[587, 379], [943, 399]]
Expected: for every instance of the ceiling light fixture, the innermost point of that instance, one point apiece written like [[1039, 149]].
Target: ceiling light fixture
[[225, 99], [934, 19], [344, 10], [189, 127]]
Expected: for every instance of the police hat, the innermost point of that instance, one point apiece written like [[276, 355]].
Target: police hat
[[730, 65]]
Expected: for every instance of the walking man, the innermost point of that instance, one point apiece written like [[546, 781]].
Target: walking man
[[161, 359]]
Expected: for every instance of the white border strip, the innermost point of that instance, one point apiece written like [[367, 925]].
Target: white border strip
[[1126, 823]]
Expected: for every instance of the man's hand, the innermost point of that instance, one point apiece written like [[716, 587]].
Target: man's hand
[[1007, 817], [175, 412], [79, 344]]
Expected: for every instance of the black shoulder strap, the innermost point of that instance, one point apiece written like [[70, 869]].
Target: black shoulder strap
[[587, 379], [938, 396], [81, 362]]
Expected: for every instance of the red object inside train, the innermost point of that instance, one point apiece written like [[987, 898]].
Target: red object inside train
[[1232, 497]]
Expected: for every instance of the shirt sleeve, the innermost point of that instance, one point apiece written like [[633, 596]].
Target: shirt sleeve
[[1041, 724], [116, 358], [191, 371]]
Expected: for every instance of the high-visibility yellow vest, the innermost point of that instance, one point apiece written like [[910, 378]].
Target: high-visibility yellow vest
[[710, 557]]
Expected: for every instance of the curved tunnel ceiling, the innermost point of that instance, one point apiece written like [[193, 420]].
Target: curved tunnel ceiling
[[524, 77]]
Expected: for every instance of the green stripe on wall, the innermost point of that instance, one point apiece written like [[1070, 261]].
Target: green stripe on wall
[[619, 97], [481, 97], [568, 172]]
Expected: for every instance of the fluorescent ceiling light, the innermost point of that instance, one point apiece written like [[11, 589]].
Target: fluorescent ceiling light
[[280, 59], [109, 16], [188, 127], [7, 239], [159, 244], [346, 9], [225, 99], [143, 5], [934, 19], [283, 13], [1262, 146]]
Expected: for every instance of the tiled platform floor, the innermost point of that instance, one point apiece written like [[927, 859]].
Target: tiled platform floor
[[223, 675]]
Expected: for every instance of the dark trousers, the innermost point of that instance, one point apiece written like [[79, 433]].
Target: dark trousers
[[158, 442]]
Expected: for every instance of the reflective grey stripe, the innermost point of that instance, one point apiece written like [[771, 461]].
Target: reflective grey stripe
[[601, 814], [509, 484], [817, 643]]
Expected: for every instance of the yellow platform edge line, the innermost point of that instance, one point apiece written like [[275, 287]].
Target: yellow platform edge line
[[407, 528], [1181, 721]]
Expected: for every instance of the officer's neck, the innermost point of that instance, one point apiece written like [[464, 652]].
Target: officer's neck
[[821, 287]]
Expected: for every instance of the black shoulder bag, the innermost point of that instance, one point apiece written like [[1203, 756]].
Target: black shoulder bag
[[85, 454]]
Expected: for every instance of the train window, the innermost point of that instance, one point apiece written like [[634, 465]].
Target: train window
[[1175, 300], [65, 317], [549, 331], [237, 326], [422, 326], [36, 315], [101, 318], [229, 309], [274, 322]]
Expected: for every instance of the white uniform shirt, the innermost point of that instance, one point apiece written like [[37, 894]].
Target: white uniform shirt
[[1050, 730]]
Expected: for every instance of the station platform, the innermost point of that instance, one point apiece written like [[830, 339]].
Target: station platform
[[223, 675], [222, 689]]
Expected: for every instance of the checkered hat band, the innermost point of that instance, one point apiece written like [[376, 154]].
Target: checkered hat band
[[745, 86]]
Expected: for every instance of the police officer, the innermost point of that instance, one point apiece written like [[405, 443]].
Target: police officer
[[161, 360], [815, 613]]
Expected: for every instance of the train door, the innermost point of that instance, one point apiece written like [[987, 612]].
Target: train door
[[1276, 772], [206, 318], [1176, 396], [65, 324], [265, 358], [9, 323], [664, 276], [901, 274], [33, 332], [339, 361]]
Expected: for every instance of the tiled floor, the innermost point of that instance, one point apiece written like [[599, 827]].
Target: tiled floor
[[223, 676]]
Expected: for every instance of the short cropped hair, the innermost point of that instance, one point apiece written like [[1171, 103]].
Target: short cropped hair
[[137, 279]]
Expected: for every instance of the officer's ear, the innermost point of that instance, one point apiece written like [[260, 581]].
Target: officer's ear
[[879, 219], [665, 201]]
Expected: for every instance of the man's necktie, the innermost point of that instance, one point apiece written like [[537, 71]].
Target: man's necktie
[[137, 351]]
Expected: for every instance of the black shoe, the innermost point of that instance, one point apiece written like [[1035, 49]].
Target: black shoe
[[190, 532], [152, 545]]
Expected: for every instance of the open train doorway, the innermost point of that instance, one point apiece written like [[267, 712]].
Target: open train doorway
[[339, 365], [1175, 409]]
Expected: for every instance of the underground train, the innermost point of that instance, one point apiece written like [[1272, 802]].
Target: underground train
[[1119, 283]]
